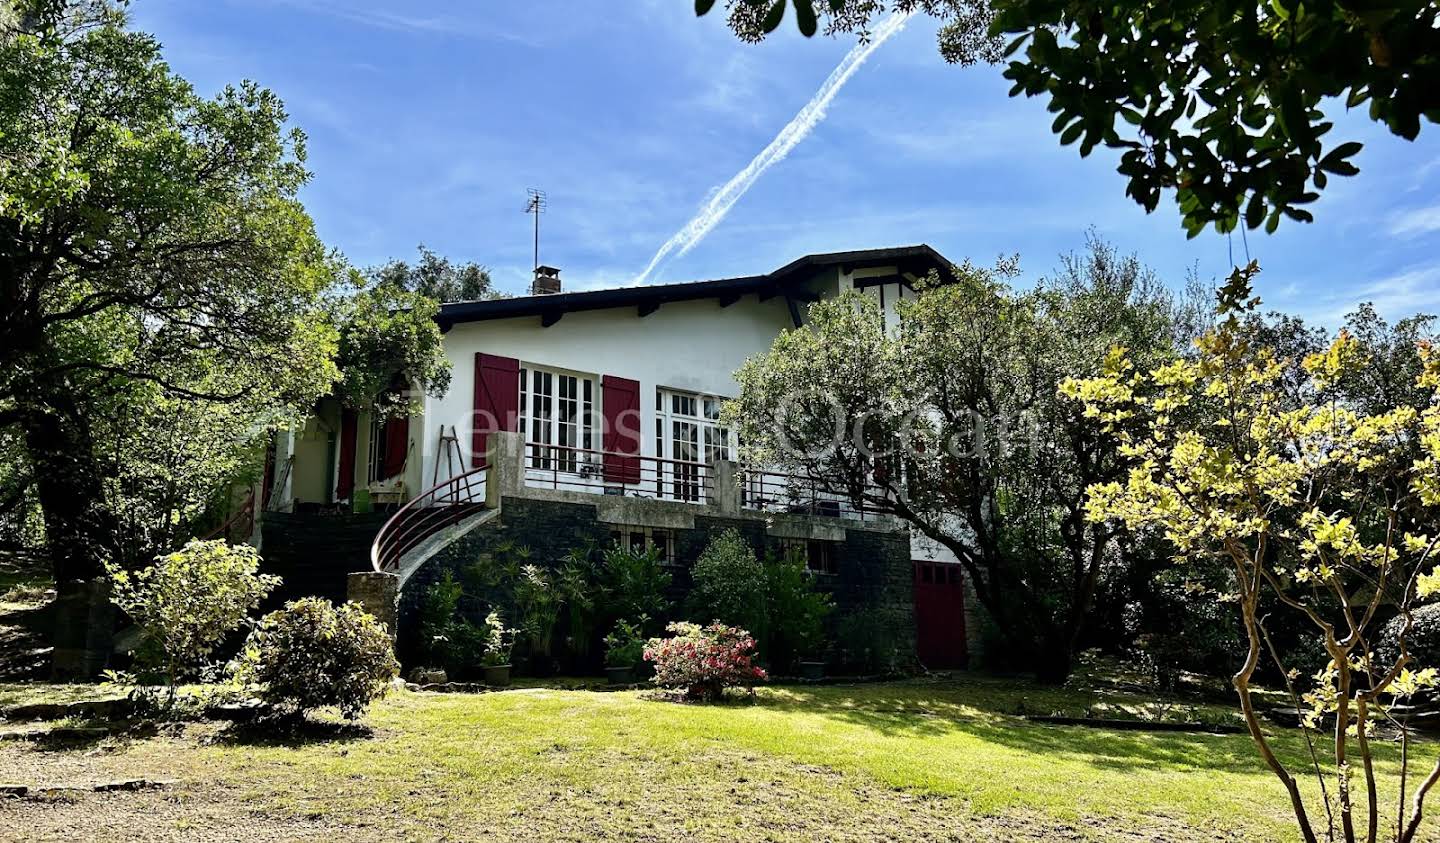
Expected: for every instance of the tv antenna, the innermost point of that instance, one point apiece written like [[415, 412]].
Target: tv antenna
[[536, 205]]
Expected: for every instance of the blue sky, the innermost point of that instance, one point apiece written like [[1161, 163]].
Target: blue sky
[[428, 120]]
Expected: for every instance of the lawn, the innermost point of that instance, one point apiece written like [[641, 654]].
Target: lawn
[[920, 760]]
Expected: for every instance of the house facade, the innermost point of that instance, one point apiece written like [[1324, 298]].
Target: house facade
[[594, 415]]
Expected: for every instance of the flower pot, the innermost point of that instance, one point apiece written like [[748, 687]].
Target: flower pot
[[812, 670], [497, 674], [620, 675]]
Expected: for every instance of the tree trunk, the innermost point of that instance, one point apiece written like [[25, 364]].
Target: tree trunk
[[79, 527], [80, 532]]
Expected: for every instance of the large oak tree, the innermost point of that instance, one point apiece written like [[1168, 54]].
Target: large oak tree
[[165, 296]]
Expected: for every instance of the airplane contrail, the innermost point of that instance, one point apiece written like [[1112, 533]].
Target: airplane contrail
[[795, 131]]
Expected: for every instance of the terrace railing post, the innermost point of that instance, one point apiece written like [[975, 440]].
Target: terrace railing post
[[723, 492], [506, 475]]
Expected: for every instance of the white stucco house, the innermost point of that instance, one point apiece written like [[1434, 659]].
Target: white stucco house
[[611, 392]]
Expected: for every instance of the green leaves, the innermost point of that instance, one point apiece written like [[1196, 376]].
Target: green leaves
[[772, 18], [1335, 160], [805, 18], [1226, 101], [190, 600]]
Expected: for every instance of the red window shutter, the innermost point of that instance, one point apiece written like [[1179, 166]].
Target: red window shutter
[[349, 427], [497, 399], [397, 445], [620, 404]]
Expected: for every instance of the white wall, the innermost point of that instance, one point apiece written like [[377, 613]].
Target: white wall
[[692, 345], [888, 293]]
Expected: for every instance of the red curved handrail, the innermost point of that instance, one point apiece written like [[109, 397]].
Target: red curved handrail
[[246, 511], [442, 505]]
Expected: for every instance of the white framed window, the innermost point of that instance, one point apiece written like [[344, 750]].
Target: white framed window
[[557, 417], [688, 436]]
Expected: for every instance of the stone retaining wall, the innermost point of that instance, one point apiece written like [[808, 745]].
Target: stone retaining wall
[[872, 577]]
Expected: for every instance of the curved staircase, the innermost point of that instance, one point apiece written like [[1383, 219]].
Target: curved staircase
[[430, 521]]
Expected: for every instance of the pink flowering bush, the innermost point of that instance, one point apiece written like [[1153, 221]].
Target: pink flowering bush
[[704, 661]]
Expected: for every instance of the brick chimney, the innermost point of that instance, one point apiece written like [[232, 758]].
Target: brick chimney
[[547, 281]]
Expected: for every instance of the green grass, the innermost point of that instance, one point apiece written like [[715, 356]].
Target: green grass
[[23, 588], [899, 759]]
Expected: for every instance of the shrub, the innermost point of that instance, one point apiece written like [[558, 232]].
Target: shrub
[[625, 645], [635, 583], [1423, 642], [704, 661], [312, 654], [438, 621], [869, 641], [499, 641], [729, 584], [189, 600], [797, 610], [580, 591]]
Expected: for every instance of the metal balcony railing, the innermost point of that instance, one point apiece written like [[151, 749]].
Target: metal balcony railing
[[774, 491], [630, 475], [441, 506]]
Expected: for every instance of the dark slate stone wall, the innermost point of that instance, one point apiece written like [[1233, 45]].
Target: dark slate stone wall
[[314, 553], [871, 586]]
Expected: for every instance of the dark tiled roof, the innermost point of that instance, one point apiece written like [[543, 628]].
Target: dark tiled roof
[[917, 259]]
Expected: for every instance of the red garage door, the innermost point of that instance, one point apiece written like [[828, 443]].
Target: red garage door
[[940, 614]]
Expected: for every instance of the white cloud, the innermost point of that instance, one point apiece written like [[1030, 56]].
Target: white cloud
[[1415, 289], [1415, 221], [799, 127]]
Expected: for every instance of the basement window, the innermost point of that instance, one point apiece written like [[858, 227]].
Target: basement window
[[819, 555], [641, 539]]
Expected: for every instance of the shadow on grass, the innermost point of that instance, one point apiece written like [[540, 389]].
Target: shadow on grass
[[24, 648], [992, 712], [89, 734], [291, 732]]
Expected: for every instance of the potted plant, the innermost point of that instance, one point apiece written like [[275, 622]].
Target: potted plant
[[499, 641], [624, 648]]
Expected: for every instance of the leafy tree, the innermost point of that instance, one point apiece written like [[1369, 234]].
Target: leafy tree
[[1171, 614], [389, 345], [1225, 105], [171, 465], [953, 423], [149, 238], [165, 298], [1323, 506], [190, 600], [436, 277]]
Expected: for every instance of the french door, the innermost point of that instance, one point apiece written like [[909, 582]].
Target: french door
[[557, 419], [688, 437]]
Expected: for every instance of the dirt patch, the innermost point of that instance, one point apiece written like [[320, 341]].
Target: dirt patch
[[176, 816]]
